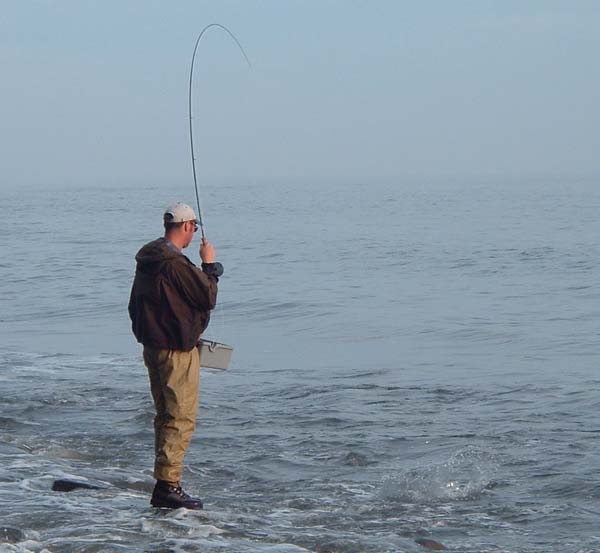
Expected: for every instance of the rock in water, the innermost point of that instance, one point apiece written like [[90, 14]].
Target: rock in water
[[11, 535], [431, 544], [66, 485]]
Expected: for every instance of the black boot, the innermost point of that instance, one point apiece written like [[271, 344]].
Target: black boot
[[173, 497]]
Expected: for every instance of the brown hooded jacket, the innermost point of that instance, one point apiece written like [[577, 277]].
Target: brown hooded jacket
[[171, 298]]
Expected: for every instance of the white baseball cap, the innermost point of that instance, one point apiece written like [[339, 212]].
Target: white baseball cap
[[179, 213]]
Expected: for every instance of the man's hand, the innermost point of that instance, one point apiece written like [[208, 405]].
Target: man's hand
[[207, 252]]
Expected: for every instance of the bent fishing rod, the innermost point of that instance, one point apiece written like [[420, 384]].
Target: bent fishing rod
[[200, 215]]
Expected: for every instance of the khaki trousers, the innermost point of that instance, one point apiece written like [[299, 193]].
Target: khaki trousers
[[174, 379]]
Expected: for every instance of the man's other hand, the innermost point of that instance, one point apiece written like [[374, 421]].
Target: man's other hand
[[207, 252]]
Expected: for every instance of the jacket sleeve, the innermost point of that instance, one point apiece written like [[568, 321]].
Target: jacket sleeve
[[213, 269], [197, 288]]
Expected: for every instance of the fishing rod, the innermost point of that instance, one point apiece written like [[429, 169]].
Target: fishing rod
[[200, 216]]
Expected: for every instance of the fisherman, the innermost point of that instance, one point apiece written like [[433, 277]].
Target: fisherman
[[170, 306]]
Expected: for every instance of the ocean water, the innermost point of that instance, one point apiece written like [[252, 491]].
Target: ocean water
[[414, 359]]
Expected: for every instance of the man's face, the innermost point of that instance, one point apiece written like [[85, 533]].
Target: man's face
[[189, 228]]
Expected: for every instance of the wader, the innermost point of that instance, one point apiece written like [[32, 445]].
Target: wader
[[174, 379]]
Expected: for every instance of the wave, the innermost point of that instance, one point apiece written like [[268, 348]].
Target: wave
[[466, 475]]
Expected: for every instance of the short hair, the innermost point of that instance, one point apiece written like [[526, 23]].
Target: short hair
[[171, 226]]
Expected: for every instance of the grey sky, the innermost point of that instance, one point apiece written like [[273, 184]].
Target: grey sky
[[96, 92]]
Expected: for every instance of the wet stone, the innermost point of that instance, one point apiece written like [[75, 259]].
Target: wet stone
[[11, 535], [355, 460], [431, 544], [67, 485]]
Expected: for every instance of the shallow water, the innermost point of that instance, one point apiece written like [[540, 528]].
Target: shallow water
[[414, 359]]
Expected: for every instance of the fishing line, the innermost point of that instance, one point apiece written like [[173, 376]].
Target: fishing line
[[200, 215]]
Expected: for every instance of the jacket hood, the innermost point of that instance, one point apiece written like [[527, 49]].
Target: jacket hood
[[154, 254]]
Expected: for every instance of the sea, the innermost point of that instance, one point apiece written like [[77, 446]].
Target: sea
[[416, 366]]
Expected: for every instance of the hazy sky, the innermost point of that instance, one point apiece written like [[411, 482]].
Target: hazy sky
[[96, 91]]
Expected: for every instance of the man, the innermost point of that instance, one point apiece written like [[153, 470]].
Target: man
[[170, 306]]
